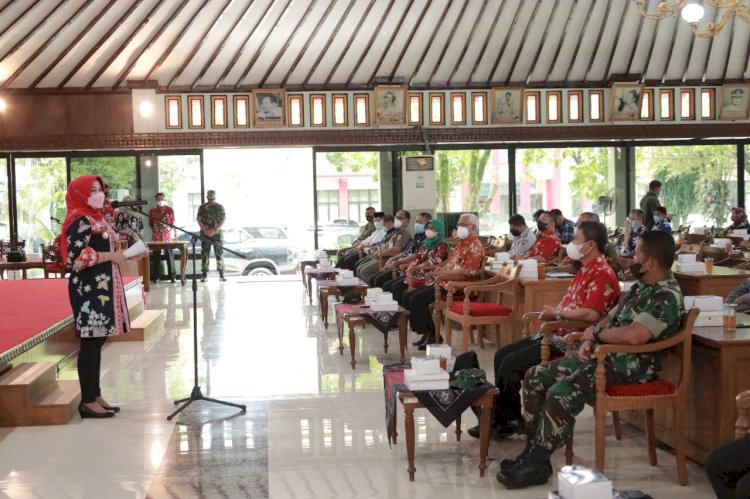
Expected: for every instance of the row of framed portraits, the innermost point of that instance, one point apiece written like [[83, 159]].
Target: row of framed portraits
[[394, 106]]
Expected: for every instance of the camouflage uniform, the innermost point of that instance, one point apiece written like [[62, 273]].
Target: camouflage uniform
[[554, 393], [212, 215]]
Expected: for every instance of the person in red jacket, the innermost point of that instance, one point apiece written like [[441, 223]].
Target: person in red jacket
[[547, 243]]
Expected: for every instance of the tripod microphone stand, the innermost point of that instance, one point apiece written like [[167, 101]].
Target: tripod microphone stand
[[196, 393]]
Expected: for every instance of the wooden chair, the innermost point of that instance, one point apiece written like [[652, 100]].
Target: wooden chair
[[742, 266], [441, 303], [499, 310], [694, 238], [658, 394], [548, 328], [742, 427], [52, 255], [717, 254]]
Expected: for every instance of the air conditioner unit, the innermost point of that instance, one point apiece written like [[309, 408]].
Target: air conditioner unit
[[421, 163]]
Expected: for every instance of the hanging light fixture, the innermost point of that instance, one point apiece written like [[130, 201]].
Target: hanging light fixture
[[692, 13]]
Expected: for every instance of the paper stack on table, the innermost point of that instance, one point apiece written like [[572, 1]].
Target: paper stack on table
[[711, 309], [426, 374], [500, 259], [687, 263], [528, 271], [384, 303], [346, 278], [372, 294], [325, 265]]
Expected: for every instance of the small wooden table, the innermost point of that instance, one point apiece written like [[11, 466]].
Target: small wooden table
[[327, 288], [484, 403], [170, 245], [317, 274], [303, 264], [354, 320], [22, 266]]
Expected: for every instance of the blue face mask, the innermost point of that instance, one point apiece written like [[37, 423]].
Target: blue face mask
[[418, 228]]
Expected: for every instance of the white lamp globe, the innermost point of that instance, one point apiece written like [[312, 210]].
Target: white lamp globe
[[145, 109], [692, 13]]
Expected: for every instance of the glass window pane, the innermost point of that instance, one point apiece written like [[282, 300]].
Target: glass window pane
[[531, 108], [646, 105], [178, 178], [474, 180], [40, 194], [699, 183], [569, 179], [4, 208], [595, 105], [118, 172], [707, 104], [479, 103], [573, 106], [553, 102]]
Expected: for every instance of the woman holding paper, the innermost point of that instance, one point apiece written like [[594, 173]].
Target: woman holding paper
[[95, 287]]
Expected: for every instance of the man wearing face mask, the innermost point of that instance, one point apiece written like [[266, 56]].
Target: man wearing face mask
[[555, 393], [364, 232], [650, 202], [661, 223], [162, 233], [349, 261], [633, 229], [464, 262], [610, 252], [396, 239], [593, 291], [523, 238], [381, 278], [547, 243], [564, 228]]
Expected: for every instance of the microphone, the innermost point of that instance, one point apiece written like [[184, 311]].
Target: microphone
[[140, 202]]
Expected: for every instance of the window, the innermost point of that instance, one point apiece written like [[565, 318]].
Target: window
[[479, 108], [415, 109], [361, 110], [218, 111], [554, 107], [458, 105], [340, 113], [118, 172], [687, 105], [41, 184], [195, 111], [296, 113], [699, 182], [575, 106], [596, 105], [173, 116], [359, 200], [318, 110], [241, 111], [647, 105], [328, 205], [194, 202], [569, 179], [666, 105], [707, 104], [532, 107], [178, 177], [437, 111]]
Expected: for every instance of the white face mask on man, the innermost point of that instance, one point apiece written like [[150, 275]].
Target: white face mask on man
[[462, 232], [574, 250], [96, 200], [397, 223], [161, 203]]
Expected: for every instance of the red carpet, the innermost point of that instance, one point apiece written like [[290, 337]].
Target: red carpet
[[32, 307]]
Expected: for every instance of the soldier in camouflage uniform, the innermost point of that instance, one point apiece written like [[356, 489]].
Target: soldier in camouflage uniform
[[210, 218], [554, 393]]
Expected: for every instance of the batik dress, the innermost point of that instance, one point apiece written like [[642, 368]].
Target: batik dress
[[96, 291]]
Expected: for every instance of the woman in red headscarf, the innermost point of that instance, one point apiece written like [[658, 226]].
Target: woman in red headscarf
[[95, 286]]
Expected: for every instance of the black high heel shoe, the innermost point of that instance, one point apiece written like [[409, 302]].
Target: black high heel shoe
[[85, 412]]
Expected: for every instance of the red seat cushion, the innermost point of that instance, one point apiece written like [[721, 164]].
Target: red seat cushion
[[650, 389], [482, 310]]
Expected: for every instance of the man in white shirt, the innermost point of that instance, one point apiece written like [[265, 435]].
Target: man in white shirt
[[523, 238]]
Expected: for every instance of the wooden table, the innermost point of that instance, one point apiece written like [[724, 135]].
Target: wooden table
[[721, 282], [720, 368], [533, 295], [316, 274], [22, 266], [170, 245], [303, 264], [484, 403], [354, 320], [328, 288]]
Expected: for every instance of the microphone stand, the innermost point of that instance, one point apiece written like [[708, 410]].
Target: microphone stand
[[196, 393]]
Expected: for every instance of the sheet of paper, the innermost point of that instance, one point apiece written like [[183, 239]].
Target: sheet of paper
[[135, 250]]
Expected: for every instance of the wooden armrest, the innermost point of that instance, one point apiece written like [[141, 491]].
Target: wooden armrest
[[571, 338], [526, 319], [742, 426], [549, 327], [656, 346], [487, 287]]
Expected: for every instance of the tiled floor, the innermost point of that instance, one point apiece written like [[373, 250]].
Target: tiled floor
[[313, 427]]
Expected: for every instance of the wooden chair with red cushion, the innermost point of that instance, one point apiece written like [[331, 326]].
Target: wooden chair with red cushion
[[657, 394], [548, 328], [52, 254], [454, 292], [496, 307]]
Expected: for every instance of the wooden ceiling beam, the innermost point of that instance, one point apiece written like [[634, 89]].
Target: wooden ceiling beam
[[309, 40], [374, 35], [387, 48], [98, 44], [578, 45], [428, 46], [20, 69], [500, 52], [408, 40], [605, 76], [479, 56], [260, 49], [448, 41], [561, 41], [348, 43], [289, 40], [469, 39], [598, 41], [32, 31], [535, 60], [122, 46], [523, 41]]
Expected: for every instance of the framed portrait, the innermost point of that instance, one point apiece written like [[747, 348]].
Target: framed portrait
[[625, 104], [268, 107], [390, 105], [507, 105], [733, 101]]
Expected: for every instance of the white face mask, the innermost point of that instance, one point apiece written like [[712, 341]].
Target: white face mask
[[574, 251], [96, 200], [397, 223], [462, 232], [430, 234], [161, 203]]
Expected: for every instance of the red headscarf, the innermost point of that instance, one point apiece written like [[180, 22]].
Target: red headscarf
[[76, 201]]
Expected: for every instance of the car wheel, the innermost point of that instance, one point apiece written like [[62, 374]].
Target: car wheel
[[256, 271]]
